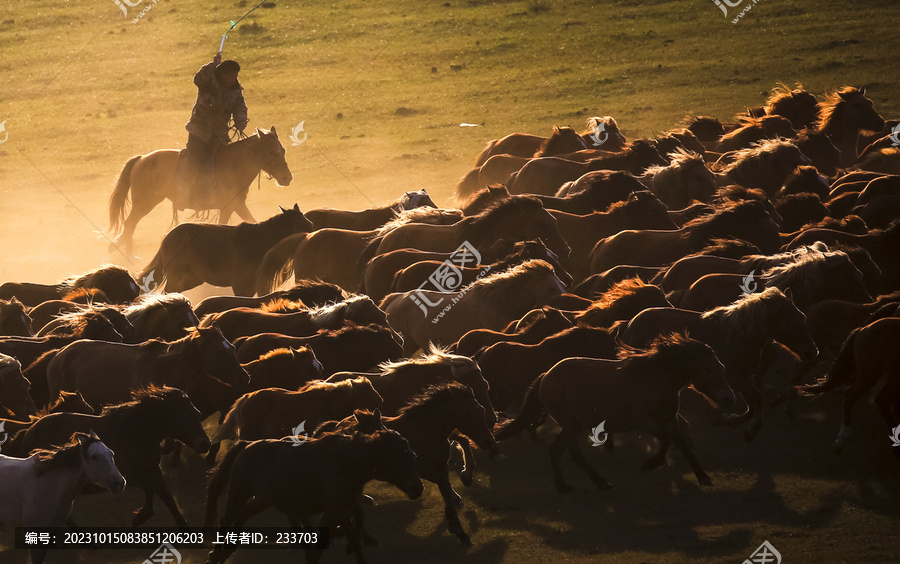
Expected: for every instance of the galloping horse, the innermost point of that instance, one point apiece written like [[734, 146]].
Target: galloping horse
[[151, 179]]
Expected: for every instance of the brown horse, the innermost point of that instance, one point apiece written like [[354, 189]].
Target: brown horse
[[106, 373], [812, 277], [766, 165], [489, 303], [367, 220], [753, 130], [830, 322], [747, 220], [638, 392], [594, 191], [310, 292], [14, 321], [623, 301], [737, 333], [520, 218], [535, 326], [116, 282], [866, 367], [333, 255], [682, 181], [525, 145], [15, 401], [272, 413], [427, 422], [843, 115], [151, 179], [68, 402], [222, 255], [87, 325], [371, 345], [484, 198], [243, 321], [799, 106], [511, 367]]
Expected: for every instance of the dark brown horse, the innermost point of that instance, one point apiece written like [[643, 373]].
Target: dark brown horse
[[14, 320], [371, 345], [594, 191], [511, 367], [525, 145], [369, 219], [753, 130], [222, 255], [427, 422], [310, 292], [15, 401], [68, 402], [134, 429], [116, 282], [243, 321], [747, 220], [843, 115], [623, 301], [638, 392], [797, 105], [737, 333], [150, 179], [92, 325], [766, 165], [324, 475], [866, 367], [535, 326], [106, 373], [830, 322]]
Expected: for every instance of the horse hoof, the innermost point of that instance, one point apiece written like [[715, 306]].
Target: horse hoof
[[704, 480]]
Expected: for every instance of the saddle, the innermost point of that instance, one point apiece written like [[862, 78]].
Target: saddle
[[195, 183]]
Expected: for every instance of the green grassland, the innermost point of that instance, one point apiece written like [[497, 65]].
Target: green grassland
[[83, 89]]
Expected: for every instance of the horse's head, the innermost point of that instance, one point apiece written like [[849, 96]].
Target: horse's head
[[368, 422], [844, 280], [394, 462], [295, 220], [787, 325], [14, 388], [470, 417], [73, 402], [98, 327], [696, 362], [121, 324], [219, 357], [859, 110], [364, 394], [14, 321], [417, 199], [537, 249], [98, 463], [466, 371], [269, 153], [181, 418]]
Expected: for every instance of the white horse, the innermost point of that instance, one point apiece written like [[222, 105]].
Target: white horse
[[39, 491]]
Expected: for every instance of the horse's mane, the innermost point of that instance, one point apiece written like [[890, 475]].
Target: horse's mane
[[484, 197], [831, 107], [737, 193], [347, 308], [281, 305], [282, 352], [48, 409], [783, 92], [594, 122], [637, 202], [77, 321], [798, 254], [746, 316], [706, 226], [507, 287], [103, 271], [146, 303], [620, 299], [343, 385], [680, 161], [64, 456], [557, 134], [620, 289], [434, 356], [85, 295], [805, 270], [729, 248], [435, 395], [141, 396], [667, 349], [433, 216], [514, 205], [759, 154]]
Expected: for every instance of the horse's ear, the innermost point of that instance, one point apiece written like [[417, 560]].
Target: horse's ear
[[258, 132], [377, 414], [282, 209], [555, 129], [14, 300], [296, 207], [273, 132], [94, 435], [788, 294]]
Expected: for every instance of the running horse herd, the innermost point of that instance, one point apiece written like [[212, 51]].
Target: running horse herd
[[754, 262]]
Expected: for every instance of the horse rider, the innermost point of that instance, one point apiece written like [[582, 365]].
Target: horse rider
[[219, 98]]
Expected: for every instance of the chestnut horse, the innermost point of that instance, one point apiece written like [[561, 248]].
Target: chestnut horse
[[151, 179]]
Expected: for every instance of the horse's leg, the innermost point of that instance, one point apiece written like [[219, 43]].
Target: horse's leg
[[850, 397], [579, 459], [658, 458], [144, 200], [467, 475], [225, 214], [165, 495], [71, 524], [145, 512], [674, 433], [556, 449], [249, 508], [241, 208], [452, 503], [359, 517]]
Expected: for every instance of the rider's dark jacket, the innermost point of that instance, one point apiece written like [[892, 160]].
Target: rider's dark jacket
[[214, 106]]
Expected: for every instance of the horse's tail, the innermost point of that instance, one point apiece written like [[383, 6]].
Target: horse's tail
[[277, 264], [230, 426], [119, 197], [468, 185], [218, 480], [841, 373], [156, 268], [532, 412]]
